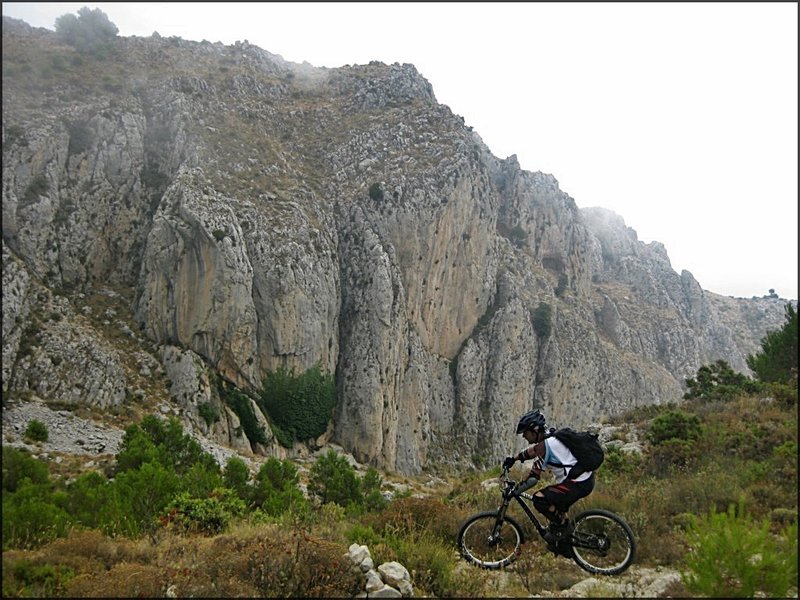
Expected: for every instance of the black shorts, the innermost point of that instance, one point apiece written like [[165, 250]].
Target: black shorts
[[568, 492]]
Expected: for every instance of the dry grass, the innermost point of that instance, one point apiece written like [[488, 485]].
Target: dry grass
[[259, 561]]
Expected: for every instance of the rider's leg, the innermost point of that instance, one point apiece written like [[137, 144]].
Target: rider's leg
[[550, 502]]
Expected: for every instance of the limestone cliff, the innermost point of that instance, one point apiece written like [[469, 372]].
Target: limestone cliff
[[176, 214]]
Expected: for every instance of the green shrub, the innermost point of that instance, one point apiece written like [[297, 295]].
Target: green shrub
[[146, 492], [542, 320], [209, 412], [518, 236], [300, 406], [19, 465], [162, 441], [731, 555], [200, 481], [27, 579], [32, 516], [618, 461], [376, 192], [275, 489], [719, 381], [333, 479], [80, 138], [372, 498], [674, 425], [36, 431], [203, 515], [236, 476], [777, 361]]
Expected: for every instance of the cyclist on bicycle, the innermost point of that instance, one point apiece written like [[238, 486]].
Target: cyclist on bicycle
[[549, 453]]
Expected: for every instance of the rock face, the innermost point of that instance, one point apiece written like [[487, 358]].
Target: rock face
[[176, 214]]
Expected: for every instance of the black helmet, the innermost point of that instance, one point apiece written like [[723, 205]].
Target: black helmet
[[530, 420]]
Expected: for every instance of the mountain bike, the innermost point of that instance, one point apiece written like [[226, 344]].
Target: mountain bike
[[601, 542]]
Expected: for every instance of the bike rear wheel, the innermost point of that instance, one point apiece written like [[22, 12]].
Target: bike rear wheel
[[602, 542], [478, 544]]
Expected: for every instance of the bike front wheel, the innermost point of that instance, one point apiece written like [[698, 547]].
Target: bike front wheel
[[602, 542], [489, 546]]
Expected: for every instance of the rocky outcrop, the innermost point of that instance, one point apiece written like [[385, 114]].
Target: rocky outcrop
[[180, 214]]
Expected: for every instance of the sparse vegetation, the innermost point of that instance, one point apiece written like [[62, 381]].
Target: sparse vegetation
[[168, 490]]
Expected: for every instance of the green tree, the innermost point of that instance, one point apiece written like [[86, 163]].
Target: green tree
[[777, 360], [275, 488], [33, 515], [19, 465], [93, 501], [371, 490], [147, 491], [542, 320], [719, 381], [90, 32], [162, 441], [333, 479], [236, 476], [300, 406]]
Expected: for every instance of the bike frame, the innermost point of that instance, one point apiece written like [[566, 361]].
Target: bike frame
[[510, 493]]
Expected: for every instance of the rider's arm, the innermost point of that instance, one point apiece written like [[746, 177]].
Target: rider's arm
[[537, 453]]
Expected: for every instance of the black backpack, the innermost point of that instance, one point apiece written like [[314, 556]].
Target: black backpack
[[585, 446]]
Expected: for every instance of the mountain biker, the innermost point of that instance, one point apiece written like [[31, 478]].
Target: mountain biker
[[550, 453]]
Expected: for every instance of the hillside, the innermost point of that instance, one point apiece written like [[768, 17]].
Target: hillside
[[182, 219]]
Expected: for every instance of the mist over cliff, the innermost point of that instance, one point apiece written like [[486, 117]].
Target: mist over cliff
[[179, 213]]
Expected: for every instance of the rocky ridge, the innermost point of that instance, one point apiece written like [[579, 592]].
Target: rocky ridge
[[178, 213]]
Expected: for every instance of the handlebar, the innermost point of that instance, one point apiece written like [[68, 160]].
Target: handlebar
[[508, 482]]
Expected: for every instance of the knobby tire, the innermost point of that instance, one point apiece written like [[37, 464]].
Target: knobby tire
[[475, 544], [602, 543]]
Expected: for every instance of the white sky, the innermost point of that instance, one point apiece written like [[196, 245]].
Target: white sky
[[679, 117]]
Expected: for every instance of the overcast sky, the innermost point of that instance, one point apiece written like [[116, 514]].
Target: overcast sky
[[679, 117]]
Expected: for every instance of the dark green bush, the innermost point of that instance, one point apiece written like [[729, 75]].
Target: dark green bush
[[236, 476], [275, 488], [777, 360], [718, 381], [146, 492], [38, 186], [542, 320], [300, 406], [203, 515], [162, 441], [32, 516], [28, 579], [372, 498], [333, 479], [674, 425], [19, 465], [376, 192], [36, 431]]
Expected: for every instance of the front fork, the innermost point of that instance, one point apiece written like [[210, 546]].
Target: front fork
[[501, 515]]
